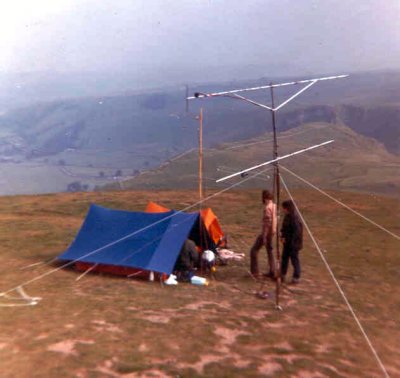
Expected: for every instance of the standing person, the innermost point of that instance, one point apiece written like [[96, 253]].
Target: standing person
[[292, 239], [268, 230]]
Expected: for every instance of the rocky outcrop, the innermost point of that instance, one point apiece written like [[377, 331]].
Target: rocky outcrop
[[381, 123]]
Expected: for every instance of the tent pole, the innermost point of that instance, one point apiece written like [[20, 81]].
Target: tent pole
[[276, 193]]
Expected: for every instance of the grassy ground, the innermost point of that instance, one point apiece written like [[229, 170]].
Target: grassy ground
[[104, 326]]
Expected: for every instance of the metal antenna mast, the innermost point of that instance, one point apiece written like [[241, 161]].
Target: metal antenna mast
[[277, 198], [276, 181]]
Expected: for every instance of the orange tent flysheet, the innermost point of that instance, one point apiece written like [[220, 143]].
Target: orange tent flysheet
[[209, 218]]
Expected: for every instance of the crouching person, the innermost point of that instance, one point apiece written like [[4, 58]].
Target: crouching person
[[292, 239], [187, 262]]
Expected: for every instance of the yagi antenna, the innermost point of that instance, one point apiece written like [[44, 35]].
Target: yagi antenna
[[234, 94], [273, 161], [235, 91]]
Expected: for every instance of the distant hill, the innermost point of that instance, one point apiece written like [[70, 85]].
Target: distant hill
[[27, 88], [352, 162], [100, 139]]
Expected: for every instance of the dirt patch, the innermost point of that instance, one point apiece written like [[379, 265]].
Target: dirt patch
[[256, 315], [297, 323], [346, 363], [269, 368], [205, 359], [287, 357], [161, 319], [309, 374], [332, 368], [106, 369], [290, 357], [228, 336], [285, 346], [102, 325], [42, 336], [323, 348], [153, 373], [275, 325], [108, 372], [199, 305], [168, 314], [143, 348], [67, 347], [291, 302], [240, 362]]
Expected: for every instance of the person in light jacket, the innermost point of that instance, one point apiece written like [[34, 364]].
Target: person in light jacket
[[268, 230]]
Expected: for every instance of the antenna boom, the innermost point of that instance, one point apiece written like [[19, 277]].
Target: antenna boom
[[273, 161], [203, 95]]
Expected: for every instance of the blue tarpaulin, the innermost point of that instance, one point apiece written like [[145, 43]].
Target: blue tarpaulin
[[150, 241]]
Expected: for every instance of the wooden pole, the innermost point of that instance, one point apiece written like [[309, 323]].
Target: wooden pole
[[201, 154], [201, 183]]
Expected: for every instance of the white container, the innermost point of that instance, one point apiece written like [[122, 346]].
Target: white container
[[196, 280]]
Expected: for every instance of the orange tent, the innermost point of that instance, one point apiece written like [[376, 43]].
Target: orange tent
[[153, 207], [209, 218], [212, 225]]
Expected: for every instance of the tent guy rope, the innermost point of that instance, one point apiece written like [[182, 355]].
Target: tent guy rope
[[342, 293], [342, 204], [23, 300]]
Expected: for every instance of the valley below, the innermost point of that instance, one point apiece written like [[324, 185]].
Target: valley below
[[120, 141]]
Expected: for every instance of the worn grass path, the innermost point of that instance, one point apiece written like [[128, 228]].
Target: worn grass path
[[104, 326]]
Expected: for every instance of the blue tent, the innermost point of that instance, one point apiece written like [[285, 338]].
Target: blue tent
[[148, 241]]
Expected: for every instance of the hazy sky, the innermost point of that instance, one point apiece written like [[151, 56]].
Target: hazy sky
[[169, 37]]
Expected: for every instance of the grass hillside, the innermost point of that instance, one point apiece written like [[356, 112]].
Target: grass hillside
[[352, 162], [103, 326]]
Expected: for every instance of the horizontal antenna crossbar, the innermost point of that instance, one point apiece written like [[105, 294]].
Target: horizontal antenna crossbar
[[202, 95], [273, 161]]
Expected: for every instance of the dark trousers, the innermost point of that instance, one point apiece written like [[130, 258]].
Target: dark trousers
[[254, 254], [293, 255]]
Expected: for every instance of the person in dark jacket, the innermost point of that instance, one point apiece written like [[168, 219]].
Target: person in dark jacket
[[292, 239], [187, 261]]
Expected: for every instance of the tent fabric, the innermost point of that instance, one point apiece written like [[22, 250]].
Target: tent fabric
[[153, 207], [209, 218], [149, 241], [212, 225], [112, 269]]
